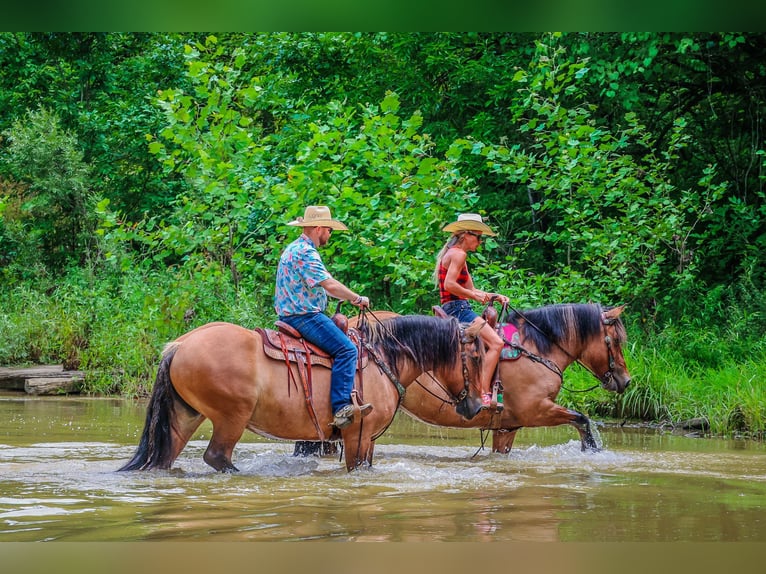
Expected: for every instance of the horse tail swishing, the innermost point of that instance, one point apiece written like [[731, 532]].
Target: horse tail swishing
[[155, 450]]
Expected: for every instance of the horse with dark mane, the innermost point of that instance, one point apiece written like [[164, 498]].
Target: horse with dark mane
[[230, 375], [540, 344]]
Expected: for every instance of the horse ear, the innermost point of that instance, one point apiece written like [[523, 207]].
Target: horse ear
[[613, 313]]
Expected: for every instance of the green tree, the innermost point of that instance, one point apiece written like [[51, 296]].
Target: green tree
[[55, 203], [602, 203], [243, 183]]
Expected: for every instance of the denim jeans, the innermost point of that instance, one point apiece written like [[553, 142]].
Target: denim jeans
[[460, 309], [318, 328]]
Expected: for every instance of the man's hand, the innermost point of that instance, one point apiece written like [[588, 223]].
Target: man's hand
[[361, 301]]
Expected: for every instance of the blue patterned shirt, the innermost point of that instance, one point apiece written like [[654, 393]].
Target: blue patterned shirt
[[299, 274]]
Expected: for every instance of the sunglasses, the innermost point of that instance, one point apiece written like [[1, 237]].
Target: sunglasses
[[476, 235]]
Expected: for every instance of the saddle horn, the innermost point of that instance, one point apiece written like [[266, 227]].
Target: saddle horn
[[340, 320]]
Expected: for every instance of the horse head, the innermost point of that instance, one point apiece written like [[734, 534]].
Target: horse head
[[472, 355], [604, 356]]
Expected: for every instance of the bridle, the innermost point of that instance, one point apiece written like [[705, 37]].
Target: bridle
[[609, 374], [604, 379]]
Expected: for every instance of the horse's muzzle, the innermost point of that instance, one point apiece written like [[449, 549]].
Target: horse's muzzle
[[468, 408], [615, 384]]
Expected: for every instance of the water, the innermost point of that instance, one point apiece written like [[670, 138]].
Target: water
[[58, 458]]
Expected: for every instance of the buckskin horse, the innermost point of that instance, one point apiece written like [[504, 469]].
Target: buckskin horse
[[539, 345], [237, 378]]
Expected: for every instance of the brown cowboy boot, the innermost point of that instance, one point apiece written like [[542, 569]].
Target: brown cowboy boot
[[346, 415]]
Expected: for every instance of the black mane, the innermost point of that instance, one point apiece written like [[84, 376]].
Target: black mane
[[557, 324], [429, 341]]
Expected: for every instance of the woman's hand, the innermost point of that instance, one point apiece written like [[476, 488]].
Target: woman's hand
[[502, 299]]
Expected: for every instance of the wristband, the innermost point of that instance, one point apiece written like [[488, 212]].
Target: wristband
[[357, 300]]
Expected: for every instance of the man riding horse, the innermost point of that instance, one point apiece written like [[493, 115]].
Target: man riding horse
[[300, 300]]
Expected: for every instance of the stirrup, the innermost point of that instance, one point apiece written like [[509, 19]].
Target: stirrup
[[364, 409], [497, 397]]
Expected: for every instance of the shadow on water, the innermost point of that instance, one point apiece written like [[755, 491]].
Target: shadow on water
[[58, 458]]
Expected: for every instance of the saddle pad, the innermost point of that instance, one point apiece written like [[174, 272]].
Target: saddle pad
[[510, 336]]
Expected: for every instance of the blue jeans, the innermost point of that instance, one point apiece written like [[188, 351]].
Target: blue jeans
[[318, 328], [460, 309]]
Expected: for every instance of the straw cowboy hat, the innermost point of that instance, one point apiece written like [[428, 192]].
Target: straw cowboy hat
[[469, 222], [318, 216]]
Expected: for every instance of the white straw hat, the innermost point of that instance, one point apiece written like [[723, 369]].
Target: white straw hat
[[318, 216], [469, 222]]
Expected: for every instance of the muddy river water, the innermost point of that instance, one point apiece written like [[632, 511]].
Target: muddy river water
[[58, 458]]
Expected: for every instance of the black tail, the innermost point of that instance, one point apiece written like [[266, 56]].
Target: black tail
[[155, 448]]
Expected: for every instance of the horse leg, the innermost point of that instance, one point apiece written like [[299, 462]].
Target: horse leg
[[226, 434], [582, 424], [502, 440], [552, 415], [315, 448], [186, 422], [357, 447]]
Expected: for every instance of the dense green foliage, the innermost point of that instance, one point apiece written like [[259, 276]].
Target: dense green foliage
[[145, 180]]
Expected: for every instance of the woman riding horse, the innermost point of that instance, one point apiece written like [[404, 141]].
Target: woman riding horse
[[456, 289]]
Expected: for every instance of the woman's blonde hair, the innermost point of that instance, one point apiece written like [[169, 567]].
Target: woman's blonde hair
[[451, 242]]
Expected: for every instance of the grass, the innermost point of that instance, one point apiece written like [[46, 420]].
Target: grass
[[670, 388], [114, 328]]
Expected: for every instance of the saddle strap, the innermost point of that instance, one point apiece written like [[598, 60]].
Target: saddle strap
[[290, 375], [304, 372]]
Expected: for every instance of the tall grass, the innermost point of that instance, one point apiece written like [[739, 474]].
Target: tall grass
[[113, 328]]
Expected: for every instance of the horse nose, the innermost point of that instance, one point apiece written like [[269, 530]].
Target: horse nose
[[468, 408]]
